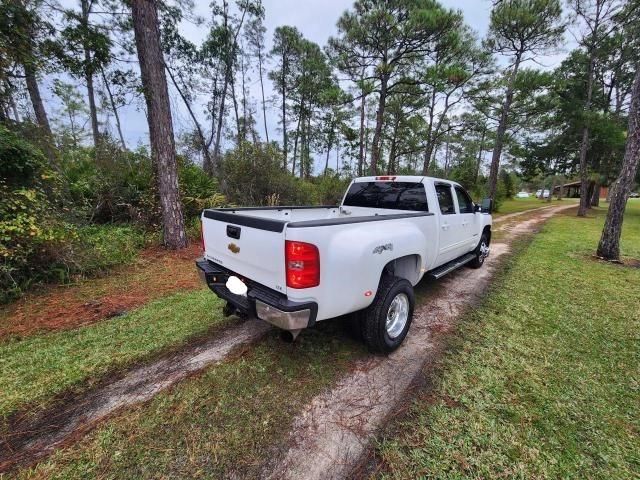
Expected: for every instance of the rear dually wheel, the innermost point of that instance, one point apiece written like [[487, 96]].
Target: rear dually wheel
[[385, 323]]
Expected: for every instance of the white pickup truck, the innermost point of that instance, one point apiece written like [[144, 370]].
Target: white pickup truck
[[295, 266]]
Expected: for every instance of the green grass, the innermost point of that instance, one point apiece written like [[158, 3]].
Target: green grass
[[514, 205], [543, 380], [35, 369], [225, 423]]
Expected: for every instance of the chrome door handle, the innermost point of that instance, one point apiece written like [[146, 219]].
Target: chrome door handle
[[445, 226]]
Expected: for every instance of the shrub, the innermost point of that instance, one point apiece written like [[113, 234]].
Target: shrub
[[330, 188], [30, 228], [197, 189], [117, 186], [38, 240], [253, 175], [100, 247]]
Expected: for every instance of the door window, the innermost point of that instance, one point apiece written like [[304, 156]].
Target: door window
[[464, 201], [445, 199]]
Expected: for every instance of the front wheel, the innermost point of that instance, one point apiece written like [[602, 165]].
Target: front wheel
[[481, 252], [385, 323]]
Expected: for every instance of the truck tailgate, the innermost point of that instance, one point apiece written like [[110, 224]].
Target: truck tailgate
[[249, 246]]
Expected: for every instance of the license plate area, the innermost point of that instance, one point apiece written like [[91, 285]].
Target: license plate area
[[218, 278]]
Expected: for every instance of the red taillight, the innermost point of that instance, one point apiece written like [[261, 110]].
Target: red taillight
[[302, 262], [202, 236], [386, 178]]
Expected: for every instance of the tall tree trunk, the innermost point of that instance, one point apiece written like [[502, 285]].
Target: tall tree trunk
[[11, 102], [93, 112], [88, 76], [206, 163], [326, 163], [428, 151], [428, 155], [244, 99], [295, 145], [590, 188], [594, 201], [391, 167], [36, 99], [585, 200], [502, 130], [114, 109], [480, 152], [264, 103], [446, 160], [375, 147], [363, 103], [302, 142], [216, 146], [284, 116], [366, 145], [235, 109], [228, 78], [156, 94], [38, 108], [609, 246]]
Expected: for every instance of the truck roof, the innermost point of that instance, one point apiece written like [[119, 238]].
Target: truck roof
[[403, 178]]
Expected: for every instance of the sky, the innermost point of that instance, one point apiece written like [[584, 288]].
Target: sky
[[316, 19]]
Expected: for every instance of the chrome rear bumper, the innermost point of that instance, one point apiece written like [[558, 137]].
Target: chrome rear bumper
[[260, 302]]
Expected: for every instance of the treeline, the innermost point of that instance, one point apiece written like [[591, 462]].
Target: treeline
[[402, 87]]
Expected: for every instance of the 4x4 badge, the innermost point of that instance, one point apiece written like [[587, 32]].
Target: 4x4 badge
[[382, 248], [233, 247]]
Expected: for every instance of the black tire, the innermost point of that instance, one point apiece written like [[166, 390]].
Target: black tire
[[478, 261], [372, 320]]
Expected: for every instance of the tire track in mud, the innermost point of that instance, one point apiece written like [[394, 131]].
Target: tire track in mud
[[34, 438], [332, 434]]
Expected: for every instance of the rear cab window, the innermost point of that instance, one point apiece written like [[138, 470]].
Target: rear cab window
[[389, 195]]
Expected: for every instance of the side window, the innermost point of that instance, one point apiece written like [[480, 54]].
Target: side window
[[464, 201], [413, 198], [445, 199]]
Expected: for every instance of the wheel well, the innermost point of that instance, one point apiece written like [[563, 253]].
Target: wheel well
[[407, 267], [487, 230]]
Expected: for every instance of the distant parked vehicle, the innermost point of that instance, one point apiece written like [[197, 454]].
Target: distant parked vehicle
[[541, 194], [634, 195], [522, 195]]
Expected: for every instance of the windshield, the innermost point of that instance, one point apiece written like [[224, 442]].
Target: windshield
[[389, 195]]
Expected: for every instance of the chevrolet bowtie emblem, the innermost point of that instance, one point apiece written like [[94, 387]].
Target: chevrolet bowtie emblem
[[233, 247]]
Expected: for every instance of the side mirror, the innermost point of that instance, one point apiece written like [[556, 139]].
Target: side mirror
[[485, 207]]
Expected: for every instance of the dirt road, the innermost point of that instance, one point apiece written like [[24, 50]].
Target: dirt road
[[331, 435]]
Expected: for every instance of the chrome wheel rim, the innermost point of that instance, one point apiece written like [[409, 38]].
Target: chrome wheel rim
[[397, 315]]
